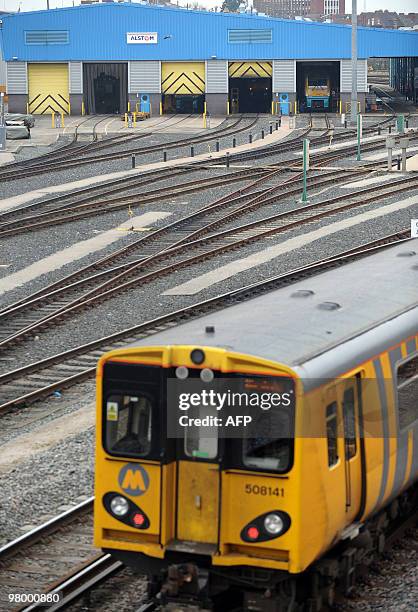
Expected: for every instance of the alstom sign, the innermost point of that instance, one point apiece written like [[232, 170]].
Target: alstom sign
[[142, 38]]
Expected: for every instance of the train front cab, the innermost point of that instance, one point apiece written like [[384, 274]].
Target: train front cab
[[317, 92], [190, 497], [206, 501]]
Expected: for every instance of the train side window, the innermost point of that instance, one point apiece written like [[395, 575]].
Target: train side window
[[128, 425], [332, 433], [407, 388], [350, 442]]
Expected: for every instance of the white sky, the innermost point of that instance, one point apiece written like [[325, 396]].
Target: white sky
[[402, 6]]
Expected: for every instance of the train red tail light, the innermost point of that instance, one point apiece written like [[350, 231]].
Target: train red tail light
[[253, 533], [138, 519]]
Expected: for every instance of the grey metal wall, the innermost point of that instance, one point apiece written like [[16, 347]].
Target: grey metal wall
[[144, 77], [345, 76], [17, 78], [75, 75], [284, 76], [3, 76], [216, 76]]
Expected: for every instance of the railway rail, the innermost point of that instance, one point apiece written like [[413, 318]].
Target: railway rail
[[179, 244], [90, 196], [40, 379], [12, 222], [220, 132], [350, 148], [232, 128], [65, 560], [68, 150]]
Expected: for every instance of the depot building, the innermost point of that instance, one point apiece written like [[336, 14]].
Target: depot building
[[106, 58]]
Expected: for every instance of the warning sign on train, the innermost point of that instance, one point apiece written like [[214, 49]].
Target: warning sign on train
[[112, 410], [142, 38]]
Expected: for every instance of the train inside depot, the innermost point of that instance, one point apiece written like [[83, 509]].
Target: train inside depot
[[318, 86], [285, 512]]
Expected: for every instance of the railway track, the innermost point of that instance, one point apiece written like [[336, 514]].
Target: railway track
[[56, 560], [32, 382], [13, 222], [98, 196], [68, 150], [221, 132], [169, 245], [231, 128], [350, 148], [319, 122]]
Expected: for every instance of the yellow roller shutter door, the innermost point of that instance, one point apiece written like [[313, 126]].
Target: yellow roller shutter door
[[48, 88], [183, 78], [250, 70]]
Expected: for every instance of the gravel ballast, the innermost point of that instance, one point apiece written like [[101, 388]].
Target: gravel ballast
[[146, 302]]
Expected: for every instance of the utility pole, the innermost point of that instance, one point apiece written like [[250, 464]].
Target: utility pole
[[354, 62]]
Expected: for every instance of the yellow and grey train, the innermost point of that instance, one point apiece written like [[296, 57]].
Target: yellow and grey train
[[269, 520]]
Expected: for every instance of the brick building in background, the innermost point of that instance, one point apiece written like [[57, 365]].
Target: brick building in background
[[387, 19], [300, 8], [381, 19]]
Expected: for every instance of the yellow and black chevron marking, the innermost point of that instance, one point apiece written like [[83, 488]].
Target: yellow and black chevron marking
[[46, 104], [48, 88], [183, 78], [250, 70]]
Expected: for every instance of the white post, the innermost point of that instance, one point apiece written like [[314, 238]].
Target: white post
[[390, 143], [404, 142]]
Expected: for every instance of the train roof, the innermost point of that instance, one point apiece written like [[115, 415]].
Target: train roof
[[297, 324]]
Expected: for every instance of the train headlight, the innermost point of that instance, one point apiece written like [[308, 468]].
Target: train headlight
[[119, 506], [273, 524]]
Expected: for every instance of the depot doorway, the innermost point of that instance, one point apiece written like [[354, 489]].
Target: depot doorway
[[250, 95], [250, 87], [105, 88], [318, 86]]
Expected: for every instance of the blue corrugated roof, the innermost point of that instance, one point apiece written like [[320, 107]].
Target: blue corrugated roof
[[98, 33]]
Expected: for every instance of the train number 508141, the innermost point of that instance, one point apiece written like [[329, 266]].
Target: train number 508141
[[262, 490]]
